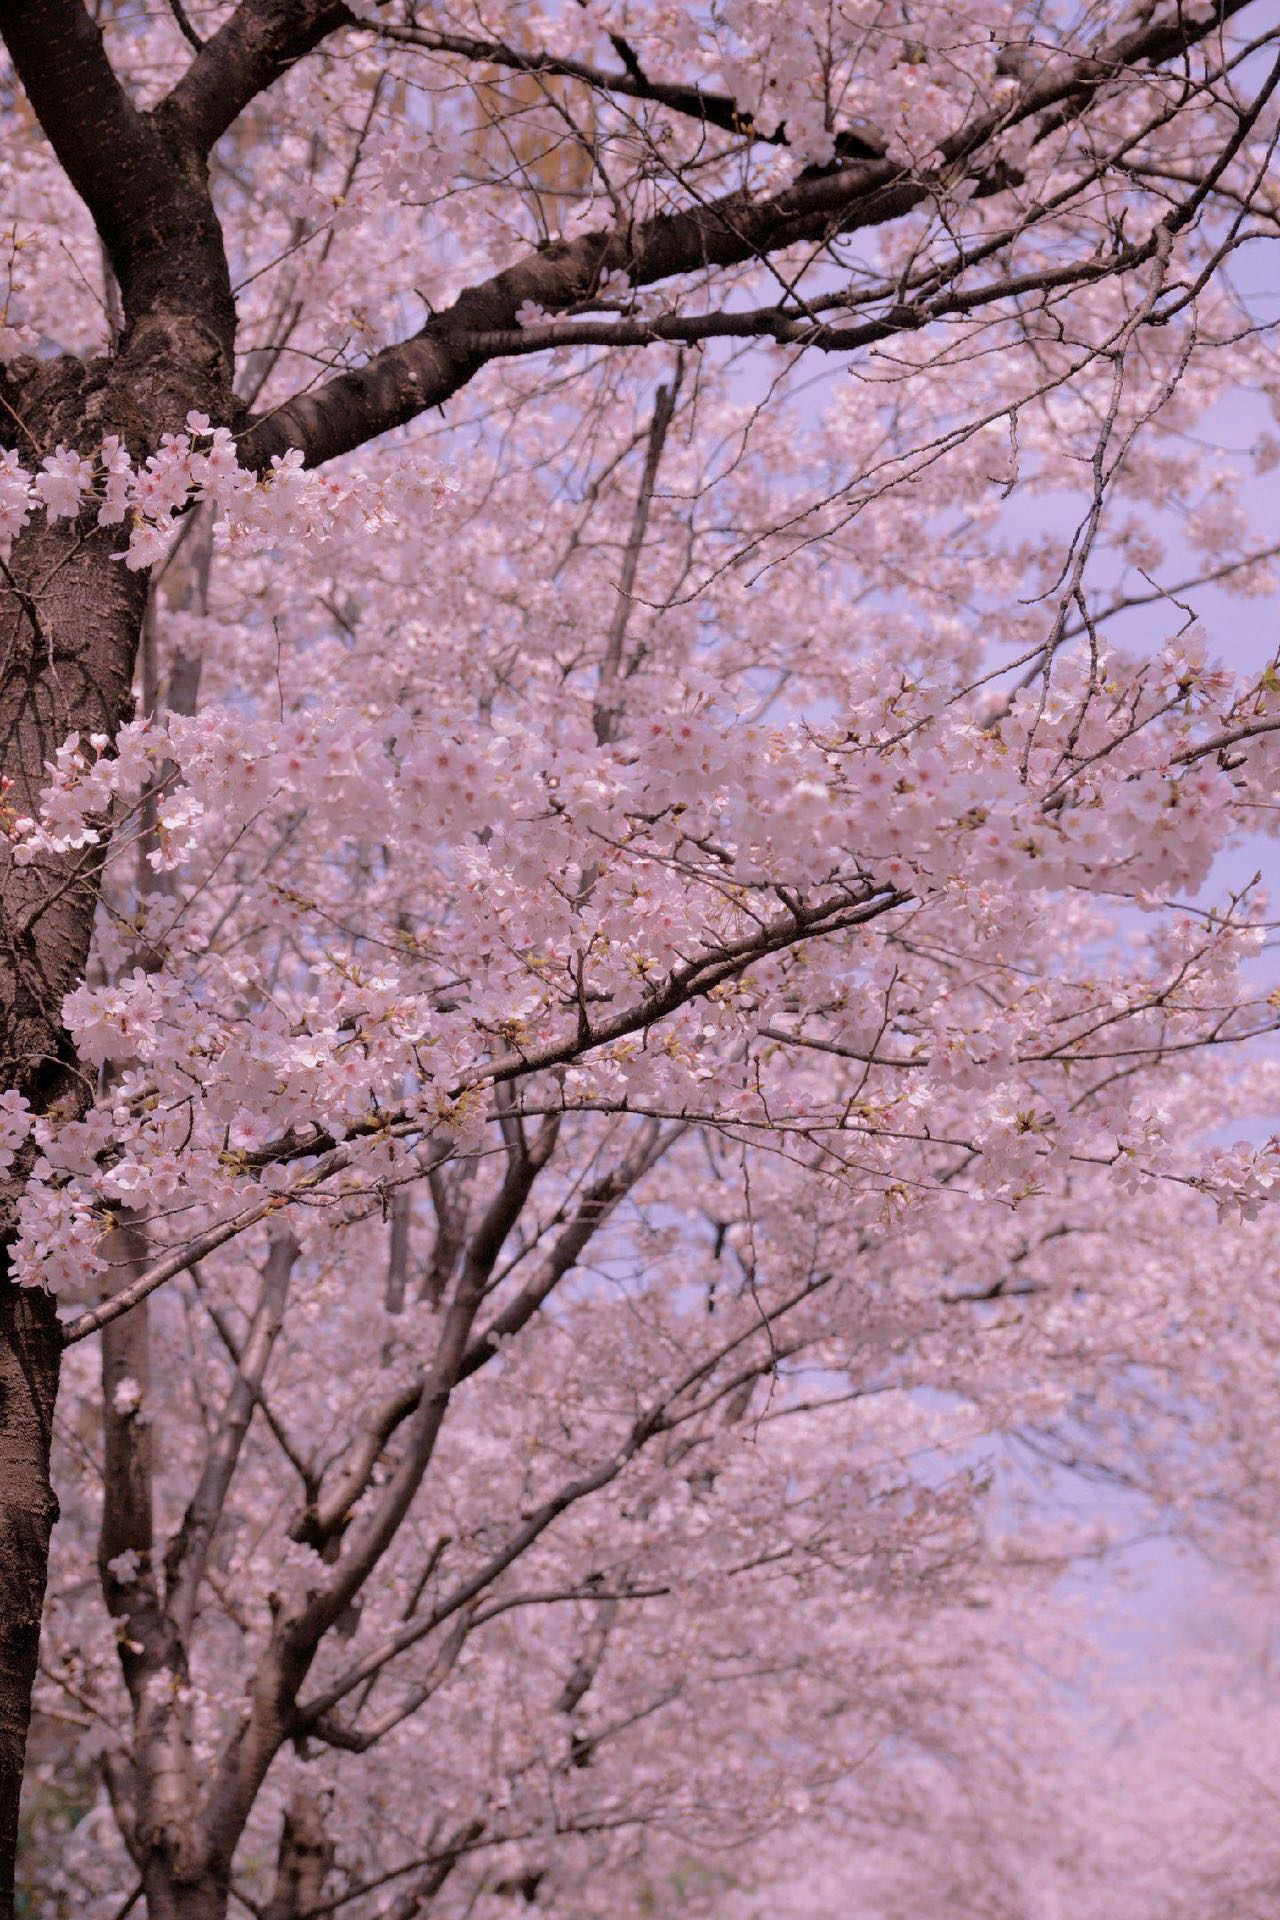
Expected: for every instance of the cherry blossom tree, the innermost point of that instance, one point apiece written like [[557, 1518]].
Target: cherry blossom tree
[[612, 972]]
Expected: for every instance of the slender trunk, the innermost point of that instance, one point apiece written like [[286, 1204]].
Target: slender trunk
[[30, 1350]]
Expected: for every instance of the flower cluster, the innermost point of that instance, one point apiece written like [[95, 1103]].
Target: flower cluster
[[1243, 1178], [15, 1125], [202, 464]]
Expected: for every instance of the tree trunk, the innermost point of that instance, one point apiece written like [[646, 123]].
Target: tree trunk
[[69, 623], [70, 619], [30, 1350]]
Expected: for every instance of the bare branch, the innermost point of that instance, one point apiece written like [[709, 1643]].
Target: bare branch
[[189, 1549], [606, 702], [326, 1518], [697, 103]]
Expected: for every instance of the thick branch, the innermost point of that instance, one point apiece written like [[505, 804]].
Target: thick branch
[[322, 1522], [402, 381], [658, 1418], [598, 1202], [305, 1858], [127, 1520], [102, 142], [259, 43], [145, 190]]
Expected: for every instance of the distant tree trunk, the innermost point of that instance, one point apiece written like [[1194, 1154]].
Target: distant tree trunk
[[172, 1900], [305, 1859]]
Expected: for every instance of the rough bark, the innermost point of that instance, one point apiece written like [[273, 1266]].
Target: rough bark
[[67, 657], [70, 617], [30, 1349], [153, 1654], [70, 622]]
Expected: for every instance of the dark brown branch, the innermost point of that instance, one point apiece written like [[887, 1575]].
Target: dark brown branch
[[305, 1858], [319, 1521], [149, 203], [402, 381], [259, 43], [326, 1518], [658, 1418], [597, 1203], [102, 142], [184, 25], [127, 1525]]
